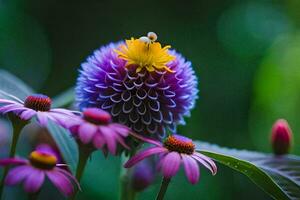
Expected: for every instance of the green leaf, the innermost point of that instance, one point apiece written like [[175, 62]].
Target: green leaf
[[66, 144], [64, 99], [11, 85], [277, 176]]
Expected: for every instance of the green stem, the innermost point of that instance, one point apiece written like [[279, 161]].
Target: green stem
[[18, 125], [126, 191], [34, 196], [84, 154], [163, 188]]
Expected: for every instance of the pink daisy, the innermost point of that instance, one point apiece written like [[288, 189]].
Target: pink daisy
[[174, 151], [36, 105], [95, 127], [32, 173]]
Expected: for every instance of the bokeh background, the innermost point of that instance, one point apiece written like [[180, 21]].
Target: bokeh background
[[245, 53]]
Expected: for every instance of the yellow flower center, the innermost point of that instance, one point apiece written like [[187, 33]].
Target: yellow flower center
[[145, 53], [42, 160]]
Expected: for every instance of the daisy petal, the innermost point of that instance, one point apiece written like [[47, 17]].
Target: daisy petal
[[34, 181], [191, 169], [86, 132], [62, 183], [144, 154], [17, 174], [212, 166], [170, 164]]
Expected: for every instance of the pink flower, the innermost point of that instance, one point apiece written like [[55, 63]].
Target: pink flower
[[281, 137], [36, 105], [32, 173], [173, 152], [95, 128]]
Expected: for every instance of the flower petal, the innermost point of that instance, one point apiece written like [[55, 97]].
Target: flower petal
[[62, 183], [98, 141], [191, 168], [110, 139], [27, 114], [143, 154], [34, 180], [86, 132], [17, 174], [42, 118], [212, 166], [12, 161], [170, 164]]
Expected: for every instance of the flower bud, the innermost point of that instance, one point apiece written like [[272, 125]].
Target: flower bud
[[281, 137], [143, 175]]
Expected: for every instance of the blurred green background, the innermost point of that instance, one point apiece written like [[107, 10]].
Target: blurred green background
[[245, 53]]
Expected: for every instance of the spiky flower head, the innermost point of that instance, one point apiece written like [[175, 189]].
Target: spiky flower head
[[142, 83]]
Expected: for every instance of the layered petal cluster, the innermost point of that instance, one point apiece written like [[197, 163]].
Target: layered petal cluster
[[33, 172], [149, 102], [36, 105], [175, 150], [95, 128]]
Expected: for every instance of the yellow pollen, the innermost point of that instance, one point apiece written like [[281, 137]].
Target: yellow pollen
[[150, 55], [42, 160]]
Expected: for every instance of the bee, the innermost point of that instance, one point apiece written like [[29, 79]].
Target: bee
[[149, 39]]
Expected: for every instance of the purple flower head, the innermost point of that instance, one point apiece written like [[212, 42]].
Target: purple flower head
[[33, 172], [148, 97], [171, 153], [95, 128], [36, 105], [142, 175]]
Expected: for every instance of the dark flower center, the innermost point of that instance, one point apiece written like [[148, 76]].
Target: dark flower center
[[96, 116], [42, 160], [179, 144], [38, 102]]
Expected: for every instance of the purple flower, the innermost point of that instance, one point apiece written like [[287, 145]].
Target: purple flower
[[172, 152], [95, 128], [33, 172], [142, 175], [148, 97], [36, 105]]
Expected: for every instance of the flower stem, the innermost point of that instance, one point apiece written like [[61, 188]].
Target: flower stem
[[34, 196], [163, 188], [84, 154], [126, 191], [18, 125]]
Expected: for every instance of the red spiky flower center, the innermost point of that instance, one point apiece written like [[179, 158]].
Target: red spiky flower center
[[38, 102], [96, 116], [179, 144], [42, 160]]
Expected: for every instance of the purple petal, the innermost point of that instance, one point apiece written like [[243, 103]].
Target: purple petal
[[17, 174], [144, 154], [63, 111], [11, 107], [206, 161], [121, 129], [34, 180], [8, 101], [12, 161], [98, 141], [61, 181], [27, 114], [86, 132], [191, 168], [70, 176], [110, 139], [42, 118], [170, 164]]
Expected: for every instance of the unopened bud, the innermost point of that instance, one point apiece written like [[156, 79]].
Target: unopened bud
[[281, 137], [143, 175]]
